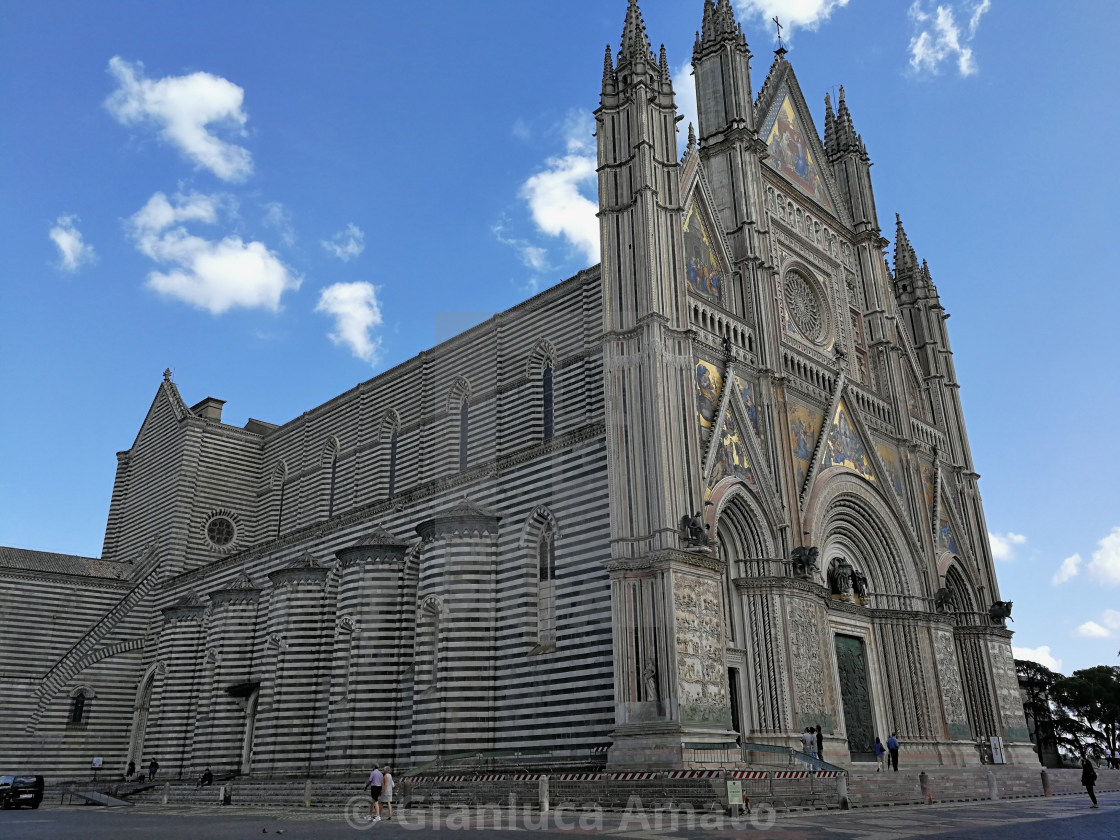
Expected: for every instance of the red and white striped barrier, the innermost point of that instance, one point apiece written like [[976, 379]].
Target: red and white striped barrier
[[527, 777], [490, 778], [693, 774], [748, 774], [827, 774], [791, 774], [581, 777], [631, 777]]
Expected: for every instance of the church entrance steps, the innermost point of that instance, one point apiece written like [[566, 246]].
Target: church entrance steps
[[964, 784], [699, 791]]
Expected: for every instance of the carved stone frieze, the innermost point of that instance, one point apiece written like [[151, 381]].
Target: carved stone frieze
[[952, 692], [701, 675], [1007, 690], [805, 650]]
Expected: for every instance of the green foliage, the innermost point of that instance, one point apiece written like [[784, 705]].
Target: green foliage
[[1090, 698]]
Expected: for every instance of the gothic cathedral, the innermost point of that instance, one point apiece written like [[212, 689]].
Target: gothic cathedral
[[677, 508]]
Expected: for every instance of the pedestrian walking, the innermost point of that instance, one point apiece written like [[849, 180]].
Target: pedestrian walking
[[892, 748], [153, 768], [880, 751], [376, 780], [1089, 779], [820, 743], [387, 792]]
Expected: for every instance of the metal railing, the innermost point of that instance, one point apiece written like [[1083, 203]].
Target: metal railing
[[774, 755], [514, 761]]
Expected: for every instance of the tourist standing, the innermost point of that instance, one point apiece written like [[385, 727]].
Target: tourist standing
[[131, 771], [153, 768], [376, 779], [880, 751], [808, 739], [820, 743], [892, 748], [387, 792], [1089, 779]]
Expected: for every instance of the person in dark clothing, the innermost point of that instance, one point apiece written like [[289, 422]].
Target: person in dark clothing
[[1089, 779], [131, 771], [206, 779], [892, 750], [153, 768], [820, 743]]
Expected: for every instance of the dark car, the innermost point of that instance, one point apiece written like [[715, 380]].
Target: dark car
[[16, 791]]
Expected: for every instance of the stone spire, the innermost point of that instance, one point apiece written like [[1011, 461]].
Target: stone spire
[[635, 43], [608, 69], [718, 28], [905, 260], [829, 127], [846, 137]]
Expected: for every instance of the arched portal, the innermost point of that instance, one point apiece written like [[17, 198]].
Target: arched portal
[[140, 713]]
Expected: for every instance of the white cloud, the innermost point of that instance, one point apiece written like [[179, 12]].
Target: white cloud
[[1041, 655], [1067, 570], [1111, 619], [1003, 545], [1091, 630], [279, 218], [212, 275], [557, 205], [73, 253], [184, 108], [806, 14], [684, 86], [1105, 565], [938, 38], [346, 244], [533, 256], [356, 312]]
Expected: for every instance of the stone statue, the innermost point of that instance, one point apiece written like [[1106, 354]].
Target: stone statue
[[1000, 610], [943, 599], [840, 577], [649, 676], [804, 561], [694, 531], [859, 583]]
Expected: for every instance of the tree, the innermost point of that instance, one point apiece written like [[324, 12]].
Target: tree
[[1093, 696], [1036, 682]]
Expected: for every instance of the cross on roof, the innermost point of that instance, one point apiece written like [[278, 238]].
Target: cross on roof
[[778, 24]]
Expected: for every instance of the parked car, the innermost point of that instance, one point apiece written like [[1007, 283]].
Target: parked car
[[17, 791]]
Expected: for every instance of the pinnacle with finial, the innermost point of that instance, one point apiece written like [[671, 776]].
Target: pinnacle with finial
[[829, 125], [167, 374], [691, 137], [635, 43], [608, 65], [905, 259]]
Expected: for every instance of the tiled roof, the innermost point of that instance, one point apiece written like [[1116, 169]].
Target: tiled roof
[[63, 564]]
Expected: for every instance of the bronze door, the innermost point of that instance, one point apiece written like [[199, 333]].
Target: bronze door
[[855, 692]]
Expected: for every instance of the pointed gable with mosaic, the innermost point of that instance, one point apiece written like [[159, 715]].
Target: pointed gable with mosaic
[[795, 148]]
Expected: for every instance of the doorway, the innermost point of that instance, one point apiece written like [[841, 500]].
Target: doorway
[[855, 693]]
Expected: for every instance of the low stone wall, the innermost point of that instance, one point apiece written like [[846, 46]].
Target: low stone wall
[[963, 784]]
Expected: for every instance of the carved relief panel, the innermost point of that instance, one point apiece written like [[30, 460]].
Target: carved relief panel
[[1007, 690], [702, 674], [952, 692], [808, 662]]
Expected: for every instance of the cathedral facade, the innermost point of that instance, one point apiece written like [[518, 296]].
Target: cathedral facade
[[706, 494]]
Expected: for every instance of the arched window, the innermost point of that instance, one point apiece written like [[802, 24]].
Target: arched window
[[546, 387], [463, 435], [546, 588], [279, 478], [330, 461], [393, 460], [79, 708]]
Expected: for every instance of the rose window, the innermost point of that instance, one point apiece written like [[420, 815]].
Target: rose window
[[804, 306]]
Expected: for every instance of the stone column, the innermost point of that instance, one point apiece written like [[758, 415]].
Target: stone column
[[230, 681], [292, 715], [174, 701], [372, 648], [453, 691]]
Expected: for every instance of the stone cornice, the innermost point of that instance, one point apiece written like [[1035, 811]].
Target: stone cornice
[[667, 559]]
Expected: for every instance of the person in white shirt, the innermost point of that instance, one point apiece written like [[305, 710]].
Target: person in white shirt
[[387, 793]]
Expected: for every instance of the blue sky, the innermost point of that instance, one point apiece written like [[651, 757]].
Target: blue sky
[[279, 200]]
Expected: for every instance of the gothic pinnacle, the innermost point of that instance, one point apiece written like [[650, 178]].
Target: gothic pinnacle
[[905, 260], [691, 137], [608, 66], [635, 43], [718, 27], [846, 137], [829, 126]]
